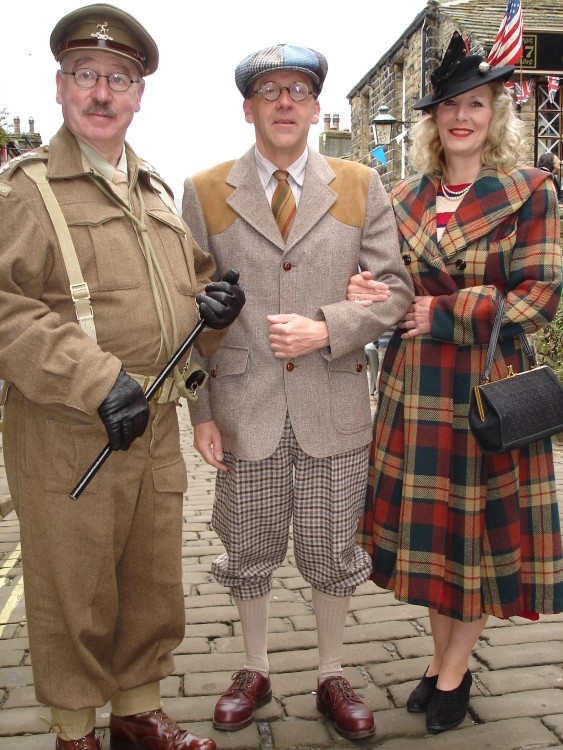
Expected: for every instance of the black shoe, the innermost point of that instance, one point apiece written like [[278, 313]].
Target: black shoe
[[447, 708], [419, 699]]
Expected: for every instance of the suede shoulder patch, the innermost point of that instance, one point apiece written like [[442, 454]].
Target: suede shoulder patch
[[351, 185], [212, 192]]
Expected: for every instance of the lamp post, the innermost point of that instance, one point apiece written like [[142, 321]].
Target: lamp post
[[382, 126]]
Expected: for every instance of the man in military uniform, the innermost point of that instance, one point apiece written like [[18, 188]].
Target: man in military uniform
[[103, 573]]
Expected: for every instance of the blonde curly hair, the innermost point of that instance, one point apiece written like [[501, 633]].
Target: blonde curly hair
[[504, 147]]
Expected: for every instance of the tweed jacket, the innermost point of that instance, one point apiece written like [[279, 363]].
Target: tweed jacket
[[476, 534], [344, 221]]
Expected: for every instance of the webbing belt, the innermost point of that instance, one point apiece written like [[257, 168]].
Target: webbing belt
[[167, 391], [79, 291]]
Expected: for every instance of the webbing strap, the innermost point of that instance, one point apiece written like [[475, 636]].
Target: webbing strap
[[79, 291]]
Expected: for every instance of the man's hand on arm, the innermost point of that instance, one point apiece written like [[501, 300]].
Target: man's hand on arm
[[209, 445], [222, 301], [293, 335]]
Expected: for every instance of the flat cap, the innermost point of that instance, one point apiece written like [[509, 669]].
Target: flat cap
[[105, 27], [281, 57]]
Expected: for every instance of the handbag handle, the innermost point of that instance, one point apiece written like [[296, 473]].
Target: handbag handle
[[526, 346]]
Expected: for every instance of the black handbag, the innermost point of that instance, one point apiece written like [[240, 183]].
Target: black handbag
[[518, 409]]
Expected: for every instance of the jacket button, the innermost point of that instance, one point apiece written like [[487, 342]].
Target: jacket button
[[213, 374], [407, 260], [359, 368], [290, 367], [286, 266], [461, 264]]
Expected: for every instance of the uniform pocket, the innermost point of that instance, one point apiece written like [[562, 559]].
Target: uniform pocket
[[176, 245], [170, 483], [110, 253], [72, 450]]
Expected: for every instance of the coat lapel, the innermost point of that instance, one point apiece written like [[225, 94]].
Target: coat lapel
[[251, 204], [493, 197], [249, 199], [316, 198]]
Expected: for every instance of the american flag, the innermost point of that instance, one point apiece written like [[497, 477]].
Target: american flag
[[552, 87], [507, 48]]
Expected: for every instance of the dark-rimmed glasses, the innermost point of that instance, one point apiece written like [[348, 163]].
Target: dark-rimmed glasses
[[271, 91], [87, 78]]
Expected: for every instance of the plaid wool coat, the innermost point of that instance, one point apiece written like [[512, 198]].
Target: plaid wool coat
[[447, 526]]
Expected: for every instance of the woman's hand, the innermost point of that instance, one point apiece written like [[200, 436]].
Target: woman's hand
[[416, 320], [365, 290]]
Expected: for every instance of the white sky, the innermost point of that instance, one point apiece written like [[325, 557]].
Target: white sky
[[191, 116]]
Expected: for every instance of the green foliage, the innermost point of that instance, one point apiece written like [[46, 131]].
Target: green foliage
[[3, 123], [549, 343]]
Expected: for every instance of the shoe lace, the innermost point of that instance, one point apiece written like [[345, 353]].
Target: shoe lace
[[168, 722], [159, 713], [242, 681], [81, 744], [339, 686]]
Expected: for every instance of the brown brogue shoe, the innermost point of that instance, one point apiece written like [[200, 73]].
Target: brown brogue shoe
[[352, 718], [89, 742], [153, 730], [235, 708]]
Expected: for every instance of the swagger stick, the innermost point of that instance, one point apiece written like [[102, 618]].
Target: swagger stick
[[171, 364]]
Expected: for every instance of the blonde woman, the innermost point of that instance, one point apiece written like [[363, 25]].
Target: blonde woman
[[464, 534]]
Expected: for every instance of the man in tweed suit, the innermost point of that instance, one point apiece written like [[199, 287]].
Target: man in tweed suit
[[286, 418]]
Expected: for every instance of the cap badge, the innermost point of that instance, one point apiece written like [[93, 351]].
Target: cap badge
[[484, 67], [103, 32]]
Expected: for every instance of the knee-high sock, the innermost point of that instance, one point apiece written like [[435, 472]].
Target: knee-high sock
[[136, 700], [330, 613], [254, 623]]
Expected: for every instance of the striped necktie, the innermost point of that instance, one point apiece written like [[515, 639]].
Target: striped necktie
[[283, 203]]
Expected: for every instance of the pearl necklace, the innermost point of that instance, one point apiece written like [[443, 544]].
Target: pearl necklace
[[454, 195]]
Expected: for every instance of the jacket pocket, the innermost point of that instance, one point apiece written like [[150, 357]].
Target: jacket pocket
[[228, 381], [349, 393]]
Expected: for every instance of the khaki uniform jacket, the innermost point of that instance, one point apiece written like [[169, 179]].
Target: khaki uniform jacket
[[43, 352], [344, 221]]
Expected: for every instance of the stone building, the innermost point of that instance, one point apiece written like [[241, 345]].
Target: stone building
[[402, 76], [333, 141], [16, 143]]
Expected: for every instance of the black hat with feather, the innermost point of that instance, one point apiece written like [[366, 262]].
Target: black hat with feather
[[459, 72]]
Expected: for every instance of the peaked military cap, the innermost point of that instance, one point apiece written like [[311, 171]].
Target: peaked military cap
[[105, 27], [281, 57], [459, 72]]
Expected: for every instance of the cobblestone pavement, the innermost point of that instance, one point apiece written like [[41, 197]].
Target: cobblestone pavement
[[516, 698]]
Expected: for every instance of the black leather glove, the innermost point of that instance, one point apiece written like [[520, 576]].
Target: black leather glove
[[124, 412], [222, 301]]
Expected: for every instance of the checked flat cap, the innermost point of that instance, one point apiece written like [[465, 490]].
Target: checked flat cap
[[281, 57]]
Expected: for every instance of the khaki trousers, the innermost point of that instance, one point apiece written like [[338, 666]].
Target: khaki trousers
[[102, 574]]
